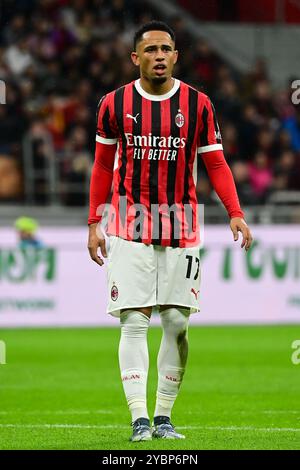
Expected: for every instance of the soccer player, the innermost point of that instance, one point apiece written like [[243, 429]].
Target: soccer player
[[148, 134]]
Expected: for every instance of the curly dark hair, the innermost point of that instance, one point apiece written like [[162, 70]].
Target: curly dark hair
[[153, 25]]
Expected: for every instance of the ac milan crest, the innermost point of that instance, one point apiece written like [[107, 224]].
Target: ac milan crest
[[179, 119], [114, 293]]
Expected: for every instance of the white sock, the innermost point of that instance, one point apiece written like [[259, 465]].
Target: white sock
[[134, 361], [171, 359]]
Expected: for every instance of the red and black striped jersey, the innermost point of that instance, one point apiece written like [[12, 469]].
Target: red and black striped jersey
[[157, 138]]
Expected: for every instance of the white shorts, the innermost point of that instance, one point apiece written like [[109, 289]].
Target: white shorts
[[142, 275]]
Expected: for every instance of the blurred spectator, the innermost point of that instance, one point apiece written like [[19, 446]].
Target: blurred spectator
[[248, 128], [15, 29], [287, 170], [205, 63], [292, 125], [260, 176], [12, 122], [265, 141], [230, 142], [184, 39], [10, 179], [240, 171], [76, 169], [18, 56], [263, 100], [226, 99], [205, 192], [283, 141], [26, 228], [257, 73]]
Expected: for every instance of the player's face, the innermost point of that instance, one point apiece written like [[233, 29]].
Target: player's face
[[156, 56]]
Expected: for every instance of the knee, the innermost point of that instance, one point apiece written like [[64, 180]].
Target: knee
[[134, 324], [175, 322]]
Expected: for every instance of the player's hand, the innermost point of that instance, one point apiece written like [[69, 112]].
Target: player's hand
[[96, 240], [237, 224]]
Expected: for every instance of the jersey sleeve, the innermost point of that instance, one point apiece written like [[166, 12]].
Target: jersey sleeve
[[209, 137], [222, 180], [101, 180], [107, 132]]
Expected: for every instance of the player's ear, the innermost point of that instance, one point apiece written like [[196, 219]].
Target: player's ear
[[135, 58], [175, 57]]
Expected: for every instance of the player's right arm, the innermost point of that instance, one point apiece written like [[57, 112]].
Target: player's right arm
[[101, 177]]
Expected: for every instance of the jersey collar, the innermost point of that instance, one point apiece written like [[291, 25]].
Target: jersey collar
[[148, 96]]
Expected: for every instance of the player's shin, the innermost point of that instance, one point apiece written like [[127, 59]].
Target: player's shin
[[134, 361], [172, 359]]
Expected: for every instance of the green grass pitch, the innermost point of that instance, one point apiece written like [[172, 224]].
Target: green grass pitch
[[60, 389]]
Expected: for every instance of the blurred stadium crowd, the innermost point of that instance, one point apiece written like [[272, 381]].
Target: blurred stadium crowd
[[58, 57]]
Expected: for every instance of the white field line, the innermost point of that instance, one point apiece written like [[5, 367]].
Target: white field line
[[67, 426], [56, 412], [116, 426], [108, 412], [245, 412]]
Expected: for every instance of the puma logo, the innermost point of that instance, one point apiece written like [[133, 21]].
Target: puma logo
[[132, 117], [195, 293]]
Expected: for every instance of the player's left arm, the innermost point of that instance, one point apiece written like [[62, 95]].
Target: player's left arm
[[211, 150]]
